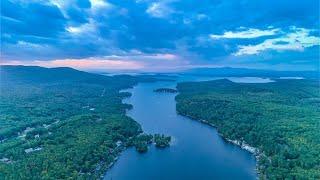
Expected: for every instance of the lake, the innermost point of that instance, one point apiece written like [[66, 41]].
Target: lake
[[196, 151]]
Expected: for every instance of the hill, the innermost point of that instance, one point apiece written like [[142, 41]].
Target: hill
[[58, 123]]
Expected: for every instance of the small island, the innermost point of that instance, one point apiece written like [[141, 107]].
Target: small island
[[142, 141], [162, 141], [166, 90], [141, 147]]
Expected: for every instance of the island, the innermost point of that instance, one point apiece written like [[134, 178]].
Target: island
[[162, 141], [165, 90], [142, 141]]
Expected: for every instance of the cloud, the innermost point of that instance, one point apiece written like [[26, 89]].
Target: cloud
[[99, 6], [82, 29], [149, 58], [159, 9], [202, 16], [83, 64], [132, 61], [92, 63], [295, 41], [246, 34], [32, 18], [167, 33], [27, 45]]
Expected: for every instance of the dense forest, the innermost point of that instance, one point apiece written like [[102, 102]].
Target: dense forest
[[58, 123], [280, 119]]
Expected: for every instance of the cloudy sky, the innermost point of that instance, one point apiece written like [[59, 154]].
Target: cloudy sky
[[164, 35]]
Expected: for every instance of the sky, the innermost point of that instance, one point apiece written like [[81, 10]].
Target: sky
[[166, 35]]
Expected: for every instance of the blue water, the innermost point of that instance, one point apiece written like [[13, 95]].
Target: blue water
[[196, 152]]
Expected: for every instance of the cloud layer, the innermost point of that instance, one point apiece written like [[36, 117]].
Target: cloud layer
[[160, 35], [298, 40]]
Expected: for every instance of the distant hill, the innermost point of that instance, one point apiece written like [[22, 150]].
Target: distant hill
[[36, 74], [244, 72]]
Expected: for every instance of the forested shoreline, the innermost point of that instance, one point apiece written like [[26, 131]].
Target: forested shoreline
[[62, 123], [280, 119]]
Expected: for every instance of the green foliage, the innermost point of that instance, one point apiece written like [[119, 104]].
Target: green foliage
[[144, 137], [162, 141], [61, 123], [281, 119], [141, 146], [166, 90], [141, 142]]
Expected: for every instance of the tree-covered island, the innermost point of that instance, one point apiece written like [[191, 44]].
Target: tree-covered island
[[142, 141], [165, 90]]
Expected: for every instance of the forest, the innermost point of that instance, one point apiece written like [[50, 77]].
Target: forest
[[279, 119], [142, 141], [59, 123]]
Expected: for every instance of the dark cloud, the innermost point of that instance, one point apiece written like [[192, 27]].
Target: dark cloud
[[31, 19], [83, 4], [82, 29], [77, 16]]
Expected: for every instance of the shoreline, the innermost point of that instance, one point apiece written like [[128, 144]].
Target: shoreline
[[121, 148], [241, 144], [104, 169]]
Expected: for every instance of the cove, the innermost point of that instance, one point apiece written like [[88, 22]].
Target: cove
[[196, 152]]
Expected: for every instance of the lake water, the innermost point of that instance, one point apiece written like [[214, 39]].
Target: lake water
[[196, 151]]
